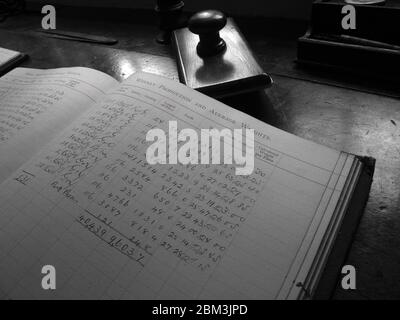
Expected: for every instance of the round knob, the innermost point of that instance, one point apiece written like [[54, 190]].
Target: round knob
[[207, 25]]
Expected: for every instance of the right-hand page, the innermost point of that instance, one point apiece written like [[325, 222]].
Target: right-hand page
[[116, 226]]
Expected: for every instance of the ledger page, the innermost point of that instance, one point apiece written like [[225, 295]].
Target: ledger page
[[115, 226]]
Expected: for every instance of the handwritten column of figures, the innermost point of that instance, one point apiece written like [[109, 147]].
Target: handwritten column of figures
[[20, 106], [189, 212]]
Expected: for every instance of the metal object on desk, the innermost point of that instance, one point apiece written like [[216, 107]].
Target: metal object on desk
[[213, 57], [78, 36], [170, 18]]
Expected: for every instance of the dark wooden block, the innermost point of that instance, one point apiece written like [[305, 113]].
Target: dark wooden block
[[372, 49], [366, 60], [374, 22]]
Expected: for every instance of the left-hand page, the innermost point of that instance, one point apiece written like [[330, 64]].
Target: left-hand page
[[35, 105]]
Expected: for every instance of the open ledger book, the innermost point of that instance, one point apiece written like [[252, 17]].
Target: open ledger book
[[78, 194]]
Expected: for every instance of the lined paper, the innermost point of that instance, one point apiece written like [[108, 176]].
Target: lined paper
[[116, 227], [37, 104]]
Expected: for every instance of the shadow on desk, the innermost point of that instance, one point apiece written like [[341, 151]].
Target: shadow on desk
[[258, 105]]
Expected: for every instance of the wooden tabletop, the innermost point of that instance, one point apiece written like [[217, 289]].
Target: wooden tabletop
[[318, 106]]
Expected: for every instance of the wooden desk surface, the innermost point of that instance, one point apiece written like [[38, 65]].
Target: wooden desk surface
[[333, 115]]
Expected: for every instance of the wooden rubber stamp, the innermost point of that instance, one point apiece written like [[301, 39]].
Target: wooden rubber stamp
[[213, 57]]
